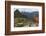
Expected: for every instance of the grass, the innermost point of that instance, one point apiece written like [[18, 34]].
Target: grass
[[21, 22]]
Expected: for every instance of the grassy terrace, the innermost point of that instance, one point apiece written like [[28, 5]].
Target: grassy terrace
[[21, 22]]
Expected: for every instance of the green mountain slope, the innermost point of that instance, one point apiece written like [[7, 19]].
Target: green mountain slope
[[17, 14]]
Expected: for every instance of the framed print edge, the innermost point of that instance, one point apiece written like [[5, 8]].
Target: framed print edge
[[8, 17]]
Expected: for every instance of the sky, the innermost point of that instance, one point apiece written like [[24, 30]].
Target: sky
[[26, 9]]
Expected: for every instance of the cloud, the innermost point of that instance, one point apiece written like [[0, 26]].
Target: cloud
[[26, 9]]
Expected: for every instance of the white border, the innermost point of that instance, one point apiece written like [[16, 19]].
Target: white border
[[25, 28]]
